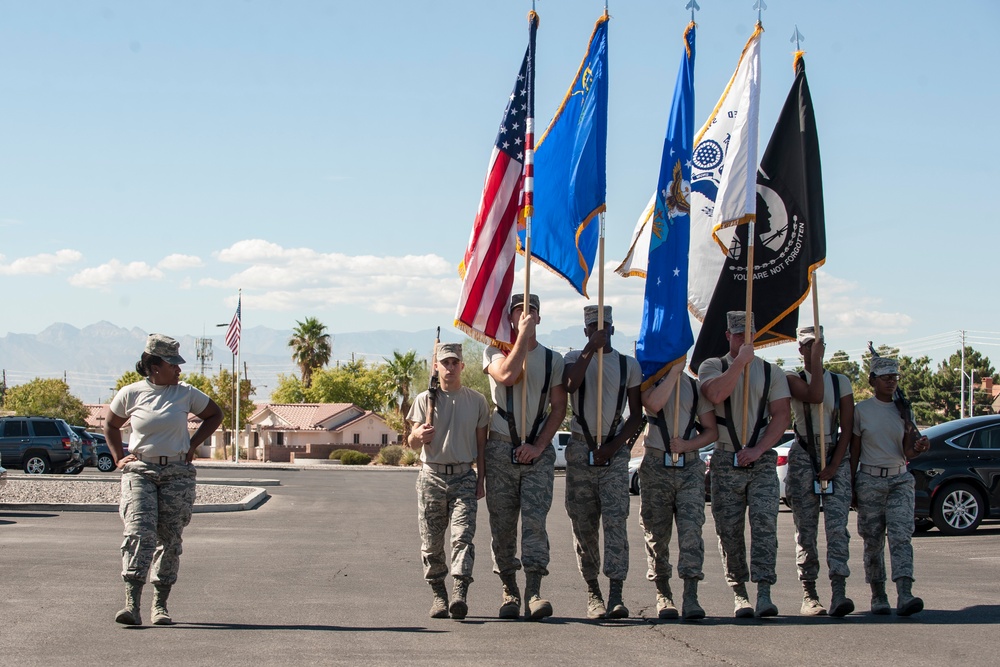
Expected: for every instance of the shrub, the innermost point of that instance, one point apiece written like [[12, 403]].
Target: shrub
[[389, 456], [409, 457], [351, 458], [339, 453], [219, 454]]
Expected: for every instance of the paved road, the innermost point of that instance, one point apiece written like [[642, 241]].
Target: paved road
[[327, 571]]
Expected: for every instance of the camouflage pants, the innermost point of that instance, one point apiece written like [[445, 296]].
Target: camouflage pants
[[598, 496], [513, 492], [156, 504], [441, 498], [668, 495], [735, 493], [885, 509], [805, 512]]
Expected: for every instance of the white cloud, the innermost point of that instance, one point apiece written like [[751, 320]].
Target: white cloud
[[305, 265], [178, 262], [114, 272], [38, 265]]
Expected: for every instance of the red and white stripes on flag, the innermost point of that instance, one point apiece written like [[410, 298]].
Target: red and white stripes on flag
[[233, 332], [487, 270]]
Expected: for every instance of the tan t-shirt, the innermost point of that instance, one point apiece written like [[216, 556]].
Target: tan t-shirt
[[712, 368], [689, 393], [536, 381], [881, 431], [612, 383], [457, 415], [829, 405]]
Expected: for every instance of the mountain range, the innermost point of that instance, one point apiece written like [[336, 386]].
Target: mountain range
[[91, 359]]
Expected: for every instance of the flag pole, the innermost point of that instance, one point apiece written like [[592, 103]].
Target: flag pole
[[600, 315], [677, 412], [748, 325], [817, 341], [529, 198], [236, 408]]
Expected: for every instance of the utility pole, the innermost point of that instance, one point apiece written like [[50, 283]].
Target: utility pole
[[961, 409], [203, 350]]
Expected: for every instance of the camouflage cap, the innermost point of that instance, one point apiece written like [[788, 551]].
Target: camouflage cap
[[736, 321], [518, 300], [884, 366], [590, 315], [449, 351], [806, 335], [165, 348]]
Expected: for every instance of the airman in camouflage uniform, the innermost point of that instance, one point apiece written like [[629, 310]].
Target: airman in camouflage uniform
[[815, 405], [672, 487], [158, 479], [597, 461], [520, 459], [882, 443], [449, 427], [744, 480]]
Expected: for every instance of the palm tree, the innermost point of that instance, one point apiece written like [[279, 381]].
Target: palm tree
[[402, 369], [311, 347]]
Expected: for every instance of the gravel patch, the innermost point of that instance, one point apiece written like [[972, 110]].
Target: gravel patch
[[64, 491]]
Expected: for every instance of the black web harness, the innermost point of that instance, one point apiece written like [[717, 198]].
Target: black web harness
[[660, 420], [730, 423], [622, 379], [543, 398], [809, 442]]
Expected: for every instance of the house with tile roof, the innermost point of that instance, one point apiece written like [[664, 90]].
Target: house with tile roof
[[290, 431]]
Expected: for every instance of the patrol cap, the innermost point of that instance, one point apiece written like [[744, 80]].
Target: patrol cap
[[590, 315], [449, 351], [737, 321], [165, 348], [884, 366], [518, 300], [806, 335]]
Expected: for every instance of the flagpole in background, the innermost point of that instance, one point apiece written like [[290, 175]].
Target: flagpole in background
[[233, 335], [528, 188]]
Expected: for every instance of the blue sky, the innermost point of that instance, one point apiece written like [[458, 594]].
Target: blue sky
[[328, 157]]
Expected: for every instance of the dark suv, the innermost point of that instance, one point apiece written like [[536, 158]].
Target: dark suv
[[40, 445]]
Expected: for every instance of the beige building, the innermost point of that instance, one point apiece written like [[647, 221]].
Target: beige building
[[290, 431]]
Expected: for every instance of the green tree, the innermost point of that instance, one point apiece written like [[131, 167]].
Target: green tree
[[368, 387], [46, 398], [220, 389], [311, 348], [126, 379], [841, 363], [401, 370], [948, 384], [916, 380], [289, 390]]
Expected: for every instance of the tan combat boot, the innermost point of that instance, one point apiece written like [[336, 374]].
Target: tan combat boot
[[691, 610], [133, 598], [906, 603], [840, 604], [536, 607], [811, 606], [741, 602], [595, 601], [511, 605], [665, 607], [616, 606], [765, 608], [880, 601], [160, 614], [439, 607], [459, 604]]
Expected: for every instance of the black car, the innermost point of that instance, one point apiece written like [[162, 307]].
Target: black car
[[106, 462], [958, 478], [88, 443], [40, 445]]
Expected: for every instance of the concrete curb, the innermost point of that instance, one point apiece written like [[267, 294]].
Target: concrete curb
[[256, 496]]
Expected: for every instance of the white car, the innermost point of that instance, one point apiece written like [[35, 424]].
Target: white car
[[559, 442]]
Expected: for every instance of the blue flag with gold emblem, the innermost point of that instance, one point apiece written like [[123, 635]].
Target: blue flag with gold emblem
[[665, 333], [570, 171]]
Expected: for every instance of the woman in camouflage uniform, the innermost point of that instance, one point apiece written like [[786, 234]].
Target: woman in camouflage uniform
[[158, 478]]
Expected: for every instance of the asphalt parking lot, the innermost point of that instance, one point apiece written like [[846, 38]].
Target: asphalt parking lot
[[327, 571]]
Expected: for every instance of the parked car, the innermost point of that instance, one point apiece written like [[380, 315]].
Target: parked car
[[40, 445], [105, 461], [87, 443], [559, 442], [3, 474], [957, 481]]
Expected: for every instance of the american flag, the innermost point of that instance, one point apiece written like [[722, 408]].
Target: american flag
[[233, 333], [487, 269]]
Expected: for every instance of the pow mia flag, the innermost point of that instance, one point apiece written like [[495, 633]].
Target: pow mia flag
[[790, 233]]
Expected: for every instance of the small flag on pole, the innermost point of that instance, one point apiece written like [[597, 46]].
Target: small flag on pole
[[487, 270], [571, 173], [233, 333]]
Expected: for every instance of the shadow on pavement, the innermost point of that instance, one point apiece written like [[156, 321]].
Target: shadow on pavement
[[268, 626]]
